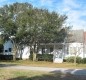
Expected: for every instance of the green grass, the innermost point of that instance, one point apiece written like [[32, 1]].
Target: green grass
[[8, 74], [45, 64]]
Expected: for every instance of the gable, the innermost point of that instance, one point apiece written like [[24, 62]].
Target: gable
[[76, 36], [8, 44]]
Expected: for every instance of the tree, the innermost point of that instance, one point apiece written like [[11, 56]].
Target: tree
[[31, 25]]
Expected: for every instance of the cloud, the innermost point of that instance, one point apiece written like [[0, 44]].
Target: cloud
[[4, 2], [74, 9], [74, 12], [48, 2], [1, 1], [70, 3]]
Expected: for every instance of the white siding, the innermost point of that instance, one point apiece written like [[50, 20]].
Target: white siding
[[26, 53], [7, 46], [75, 48]]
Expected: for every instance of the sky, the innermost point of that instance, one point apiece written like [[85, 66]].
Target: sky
[[74, 9]]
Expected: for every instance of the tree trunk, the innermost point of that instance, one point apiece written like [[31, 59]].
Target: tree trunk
[[14, 51], [75, 60], [34, 53], [34, 56]]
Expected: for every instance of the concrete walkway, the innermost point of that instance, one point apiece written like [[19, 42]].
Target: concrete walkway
[[47, 69]]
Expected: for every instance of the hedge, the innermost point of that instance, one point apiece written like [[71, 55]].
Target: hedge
[[71, 59], [42, 57], [45, 57]]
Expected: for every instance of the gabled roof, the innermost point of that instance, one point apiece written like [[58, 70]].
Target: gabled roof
[[76, 36]]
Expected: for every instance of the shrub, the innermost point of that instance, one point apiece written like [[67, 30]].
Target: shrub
[[45, 57], [78, 59], [40, 57], [6, 57], [48, 57], [64, 60], [71, 59], [84, 60]]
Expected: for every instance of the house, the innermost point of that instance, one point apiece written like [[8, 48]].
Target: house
[[22, 53], [53, 48], [76, 44], [8, 45], [48, 48], [75, 49]]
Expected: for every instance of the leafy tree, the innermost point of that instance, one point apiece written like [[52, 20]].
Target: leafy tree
[[31, 25]]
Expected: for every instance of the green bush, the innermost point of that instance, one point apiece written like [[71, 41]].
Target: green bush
[[48, 57], [84, 60], [71, 59], [40, 57], [45, 57], [78, 59]]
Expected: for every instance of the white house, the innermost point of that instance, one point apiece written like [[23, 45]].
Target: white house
[[75, 45], [53, 48], [8, 45], [22, 53], [75, 49]]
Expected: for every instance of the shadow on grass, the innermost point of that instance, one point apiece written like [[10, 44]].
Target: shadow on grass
[[52, 76], [7, 64]]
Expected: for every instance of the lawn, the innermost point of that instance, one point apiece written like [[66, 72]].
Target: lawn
[[8, 74], [45, 64]]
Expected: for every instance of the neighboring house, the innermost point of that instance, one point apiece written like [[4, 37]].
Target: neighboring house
[[22, 53], [75, 49], [76, 44], [8, 45]]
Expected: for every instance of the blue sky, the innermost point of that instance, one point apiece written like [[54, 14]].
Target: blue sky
[[74, 9]]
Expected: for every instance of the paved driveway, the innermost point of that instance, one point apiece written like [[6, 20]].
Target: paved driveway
[[47, 69]]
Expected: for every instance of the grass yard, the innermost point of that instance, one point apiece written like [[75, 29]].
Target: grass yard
[[45, 64], [8, 74], [11, 74]]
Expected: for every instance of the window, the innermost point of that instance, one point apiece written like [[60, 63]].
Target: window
[[51, 49], [6, 50], [10, 49], [43, 50]]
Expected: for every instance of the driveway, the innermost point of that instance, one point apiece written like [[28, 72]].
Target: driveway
[[47, 69]]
